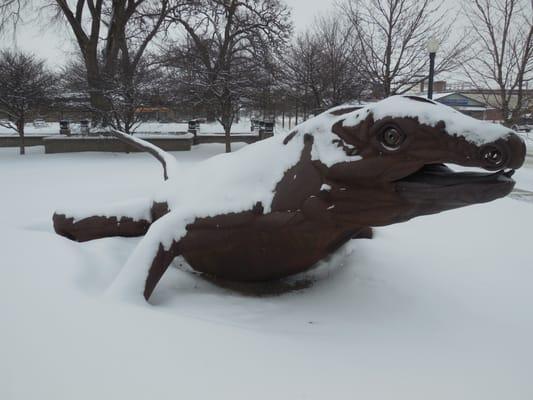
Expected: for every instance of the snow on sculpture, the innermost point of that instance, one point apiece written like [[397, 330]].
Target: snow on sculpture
[[275, 208]]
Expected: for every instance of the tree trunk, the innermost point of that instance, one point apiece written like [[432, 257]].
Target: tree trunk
[[20, 128], [226, 119], [505, 106], [97, 98], [101, 106], [227, 134]]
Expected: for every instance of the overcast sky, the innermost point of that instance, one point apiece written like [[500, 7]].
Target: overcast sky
[[304, 11]]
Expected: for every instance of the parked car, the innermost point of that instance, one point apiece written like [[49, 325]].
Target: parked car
[[524, 124], [4, 123], [39, 123]]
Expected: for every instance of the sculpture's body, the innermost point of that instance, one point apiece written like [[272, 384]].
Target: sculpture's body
[[277, 207]]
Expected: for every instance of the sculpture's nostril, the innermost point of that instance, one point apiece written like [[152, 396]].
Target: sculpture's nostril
[[493, 156], [517, 152]]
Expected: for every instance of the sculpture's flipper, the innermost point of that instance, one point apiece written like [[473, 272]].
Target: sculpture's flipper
[[128, 219], [365, 233], [159, 266], [151, 258]]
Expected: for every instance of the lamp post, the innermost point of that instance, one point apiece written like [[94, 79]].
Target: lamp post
[[432, 46]]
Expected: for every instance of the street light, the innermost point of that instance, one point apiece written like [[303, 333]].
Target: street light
[[432, 46]]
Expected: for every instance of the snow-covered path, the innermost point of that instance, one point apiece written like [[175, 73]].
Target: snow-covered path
[[435, 308]]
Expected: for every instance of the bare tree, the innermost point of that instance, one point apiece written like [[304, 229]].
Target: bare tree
[[10, 14], [393, 35], [340, 59], [198, 89], [302, 75], [124, 93], [502, 56], [24, 84], [226, 42], [128, 94], [112, 36], [266, 91], [322, 68]]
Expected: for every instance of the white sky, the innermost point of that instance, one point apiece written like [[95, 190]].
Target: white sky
[[50, 42], [305, 11]]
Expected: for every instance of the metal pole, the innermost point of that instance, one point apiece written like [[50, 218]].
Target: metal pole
[[431, 73]]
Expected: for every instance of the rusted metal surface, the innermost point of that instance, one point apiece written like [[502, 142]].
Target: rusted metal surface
[[399, 176]]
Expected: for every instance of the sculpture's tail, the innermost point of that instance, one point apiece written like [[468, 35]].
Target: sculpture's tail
[[130, 218], [167, 160]]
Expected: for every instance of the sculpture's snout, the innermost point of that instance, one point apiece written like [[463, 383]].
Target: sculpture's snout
[[509, 152]]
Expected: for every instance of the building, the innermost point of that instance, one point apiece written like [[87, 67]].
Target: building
[[158, 113], [468, 105], [471, 105], [466, 97]]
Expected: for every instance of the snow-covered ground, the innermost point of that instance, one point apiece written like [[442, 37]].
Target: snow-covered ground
[[436, 308], [524, 176], [52, 128]]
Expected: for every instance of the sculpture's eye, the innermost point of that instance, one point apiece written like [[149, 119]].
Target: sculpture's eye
[[392, 138]]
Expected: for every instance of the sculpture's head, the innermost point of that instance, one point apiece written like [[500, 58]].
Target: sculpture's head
[[398, 148]]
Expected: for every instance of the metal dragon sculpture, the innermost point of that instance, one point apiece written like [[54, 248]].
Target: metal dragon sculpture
[[275, 208]]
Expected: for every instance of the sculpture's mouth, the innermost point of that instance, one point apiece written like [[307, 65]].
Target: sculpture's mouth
[[439, 183], [442, 175]]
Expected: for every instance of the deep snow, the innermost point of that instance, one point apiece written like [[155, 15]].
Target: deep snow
[[435, 308]]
